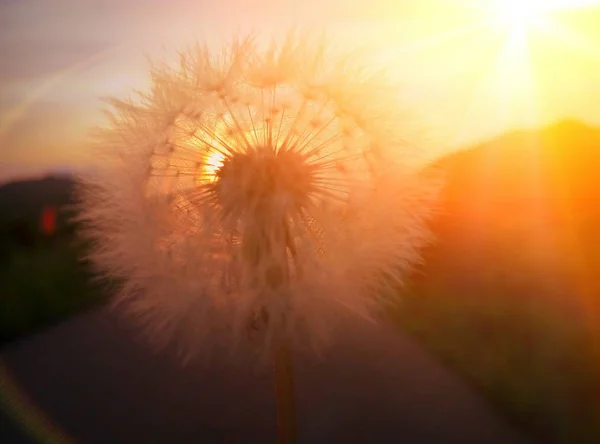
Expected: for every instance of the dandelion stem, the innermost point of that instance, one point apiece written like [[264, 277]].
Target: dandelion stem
[[258, 246], [284, 387], [284, 368]]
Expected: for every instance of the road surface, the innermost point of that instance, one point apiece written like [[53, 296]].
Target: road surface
[[96, 384]]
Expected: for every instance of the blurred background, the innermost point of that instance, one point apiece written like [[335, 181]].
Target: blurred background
[[508, 297]]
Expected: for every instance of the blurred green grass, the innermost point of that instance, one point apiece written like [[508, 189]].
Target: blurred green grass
[[43, 279], [42, 285], [515, 337]]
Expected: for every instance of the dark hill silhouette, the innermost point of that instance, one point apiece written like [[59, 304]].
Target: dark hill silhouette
[[528, 200], [512, 174], [27, 197], [21, 206], [545, 179]]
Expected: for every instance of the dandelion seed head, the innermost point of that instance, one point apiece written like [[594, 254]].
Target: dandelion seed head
[[267, 189]]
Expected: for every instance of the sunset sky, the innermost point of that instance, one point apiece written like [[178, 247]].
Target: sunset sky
[[469, 68]]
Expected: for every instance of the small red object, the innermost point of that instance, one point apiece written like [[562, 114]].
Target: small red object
[[49, 220]]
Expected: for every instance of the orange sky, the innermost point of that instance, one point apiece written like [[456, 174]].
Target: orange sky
[[470, 69]]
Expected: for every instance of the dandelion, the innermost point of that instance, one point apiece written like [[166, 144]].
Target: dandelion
[[265, 191]]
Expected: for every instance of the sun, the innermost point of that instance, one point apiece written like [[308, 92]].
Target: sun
[[518, 16], [212, 165]]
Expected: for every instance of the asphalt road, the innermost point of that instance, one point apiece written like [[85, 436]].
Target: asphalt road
[[96, 384]]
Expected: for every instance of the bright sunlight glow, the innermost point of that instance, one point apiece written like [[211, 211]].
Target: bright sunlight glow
[[213, 163], [519, 14]]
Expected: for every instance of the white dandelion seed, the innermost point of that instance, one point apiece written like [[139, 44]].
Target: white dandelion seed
[[267, 188]]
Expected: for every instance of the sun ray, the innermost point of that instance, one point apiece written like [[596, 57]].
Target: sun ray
[[523, 29]]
